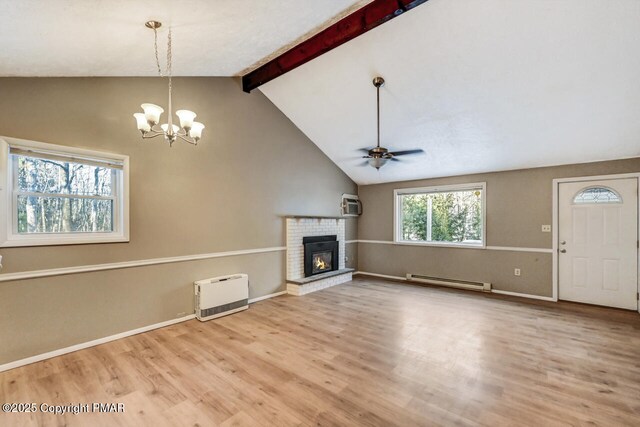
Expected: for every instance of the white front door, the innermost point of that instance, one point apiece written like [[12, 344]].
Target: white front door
[[598, 242]]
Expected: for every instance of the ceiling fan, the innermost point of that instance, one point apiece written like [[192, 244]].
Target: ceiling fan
[[379, 156]]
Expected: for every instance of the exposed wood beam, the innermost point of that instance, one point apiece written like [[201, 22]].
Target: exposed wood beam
[[359, 22]]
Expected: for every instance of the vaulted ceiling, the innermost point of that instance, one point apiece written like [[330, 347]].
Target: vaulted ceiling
[[108, 38], [479, 85]]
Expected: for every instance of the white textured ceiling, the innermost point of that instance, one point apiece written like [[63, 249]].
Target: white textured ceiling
[[480, 86], [108, 37]]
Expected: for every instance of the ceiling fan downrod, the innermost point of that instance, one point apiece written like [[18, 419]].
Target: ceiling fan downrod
[[378, 82]]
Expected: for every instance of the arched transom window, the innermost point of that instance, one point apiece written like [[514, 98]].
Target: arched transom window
[[597, 195]]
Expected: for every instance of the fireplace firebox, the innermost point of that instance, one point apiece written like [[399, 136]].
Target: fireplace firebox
[[320, 254]]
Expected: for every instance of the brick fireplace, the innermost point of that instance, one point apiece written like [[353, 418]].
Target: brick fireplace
[[322, 231]]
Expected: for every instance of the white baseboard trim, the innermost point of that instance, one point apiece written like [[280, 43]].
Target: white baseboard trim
[[129, 264], [276, 294], [81, 346], [517, 294], [495, 291]]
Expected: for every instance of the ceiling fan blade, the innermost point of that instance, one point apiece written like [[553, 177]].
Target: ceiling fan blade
[[364, 150], [365, 163], [405, 152], [393, 159]]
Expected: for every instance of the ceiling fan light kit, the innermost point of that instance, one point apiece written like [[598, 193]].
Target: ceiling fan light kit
[[378, 162], [189, 130], [379, 156]]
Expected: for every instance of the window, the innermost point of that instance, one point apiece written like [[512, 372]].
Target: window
[[597, 195], [62, 195], [449, 215]]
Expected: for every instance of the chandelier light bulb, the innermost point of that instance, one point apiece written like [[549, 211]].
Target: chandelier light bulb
[[196, 130], [186, 118], [174, 128], [143, 124], [152, 112]]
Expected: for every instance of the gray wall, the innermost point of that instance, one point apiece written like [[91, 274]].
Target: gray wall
[[518, 204], [229, 193]]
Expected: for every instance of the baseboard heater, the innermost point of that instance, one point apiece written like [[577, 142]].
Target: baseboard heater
[[220, 296], [460, 284]]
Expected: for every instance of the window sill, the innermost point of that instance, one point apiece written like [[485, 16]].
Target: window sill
[[25, 242], [441, 245]]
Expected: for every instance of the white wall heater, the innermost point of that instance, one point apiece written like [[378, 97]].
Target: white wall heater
[[461, 284], [220, 296]]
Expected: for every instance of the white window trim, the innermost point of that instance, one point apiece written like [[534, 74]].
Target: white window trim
[[397, 226], [8, 238]]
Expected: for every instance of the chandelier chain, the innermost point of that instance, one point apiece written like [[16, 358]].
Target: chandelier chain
[[169, 60], [155, 45]]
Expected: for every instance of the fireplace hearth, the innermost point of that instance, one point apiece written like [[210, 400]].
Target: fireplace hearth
[[320, 254]]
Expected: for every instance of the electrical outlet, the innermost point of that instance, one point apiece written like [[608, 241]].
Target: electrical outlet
[[546, 229], [516, 271]]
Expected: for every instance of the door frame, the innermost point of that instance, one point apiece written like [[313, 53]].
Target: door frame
[[556, 222]]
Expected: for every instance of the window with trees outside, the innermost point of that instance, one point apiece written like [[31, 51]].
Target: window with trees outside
[[447, 215], [63, 195]]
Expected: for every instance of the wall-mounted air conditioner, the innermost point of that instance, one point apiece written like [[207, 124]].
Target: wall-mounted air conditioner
[[351, 205], [222, 295]]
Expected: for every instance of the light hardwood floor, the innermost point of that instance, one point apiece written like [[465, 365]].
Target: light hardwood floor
[[368, 352]]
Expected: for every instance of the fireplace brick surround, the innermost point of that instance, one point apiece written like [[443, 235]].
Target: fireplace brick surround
[[296, 229]]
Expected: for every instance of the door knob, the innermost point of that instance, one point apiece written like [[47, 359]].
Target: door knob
[[564, 242], [564, 251]]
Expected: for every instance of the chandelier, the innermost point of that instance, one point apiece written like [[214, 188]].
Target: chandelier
[[189, 130]]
